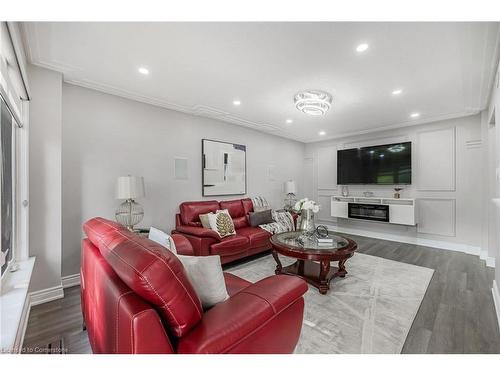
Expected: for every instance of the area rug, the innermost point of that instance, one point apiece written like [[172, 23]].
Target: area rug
[[371, 310]]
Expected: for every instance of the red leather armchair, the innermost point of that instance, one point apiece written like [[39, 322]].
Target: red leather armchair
[[136, 298], [246, 242]]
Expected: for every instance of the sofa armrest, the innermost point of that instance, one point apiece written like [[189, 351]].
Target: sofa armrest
[[198, 231], [182, 244], [240, 318]]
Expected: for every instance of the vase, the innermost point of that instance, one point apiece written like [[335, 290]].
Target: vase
[[307, 221]]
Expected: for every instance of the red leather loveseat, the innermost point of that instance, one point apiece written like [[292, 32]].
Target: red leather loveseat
[[136, 298], [247, 241]]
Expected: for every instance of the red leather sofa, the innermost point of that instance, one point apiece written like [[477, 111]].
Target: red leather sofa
[[136, 298], [247, 241]]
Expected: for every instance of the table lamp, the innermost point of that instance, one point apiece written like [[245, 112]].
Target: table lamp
[[290, 191], [129, 213]]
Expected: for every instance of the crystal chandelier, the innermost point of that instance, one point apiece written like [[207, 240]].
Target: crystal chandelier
[[313, 102]]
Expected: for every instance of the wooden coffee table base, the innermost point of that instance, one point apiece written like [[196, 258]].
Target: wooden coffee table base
[[318, 274]]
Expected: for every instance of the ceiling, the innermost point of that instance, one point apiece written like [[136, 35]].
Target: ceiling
[[444, 69]]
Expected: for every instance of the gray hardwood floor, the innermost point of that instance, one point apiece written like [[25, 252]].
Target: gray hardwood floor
[[457, 314]]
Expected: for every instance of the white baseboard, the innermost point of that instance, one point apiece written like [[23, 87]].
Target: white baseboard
[[46, 295], [473, 250], [70, 280], [496, 300]]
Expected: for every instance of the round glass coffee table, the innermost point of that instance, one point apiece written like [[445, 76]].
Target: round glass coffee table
[[313, 259]]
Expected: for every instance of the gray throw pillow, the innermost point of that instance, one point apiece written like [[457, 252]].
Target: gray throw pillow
[[259, 218]]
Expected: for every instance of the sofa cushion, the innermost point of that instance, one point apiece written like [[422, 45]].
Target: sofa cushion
[[152, 272], [190, 211], [247, 205], [235, 284], [258, 237], [97, 227], [234, 207], [237, 212], [230, 245]]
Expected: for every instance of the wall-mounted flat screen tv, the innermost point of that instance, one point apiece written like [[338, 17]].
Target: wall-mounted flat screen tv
[[376, 165]]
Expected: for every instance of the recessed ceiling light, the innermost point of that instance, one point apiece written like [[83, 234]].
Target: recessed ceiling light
[[313, 102], [236, 102], [397, 92], [144, 71], [289, 121], [362, 47], [415, 115], [322, 132]]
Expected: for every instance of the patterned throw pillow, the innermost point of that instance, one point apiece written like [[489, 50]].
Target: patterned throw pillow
[[222, 223]]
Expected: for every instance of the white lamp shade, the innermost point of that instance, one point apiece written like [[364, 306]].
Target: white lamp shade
[[290, 187], [129, 187]]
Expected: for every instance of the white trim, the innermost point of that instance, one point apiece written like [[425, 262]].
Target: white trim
[[490, 261], [496, 300], [70, 280], [46, 295], [468, 249], [22, 187], [14, 305], [23, 324], [18, 46]]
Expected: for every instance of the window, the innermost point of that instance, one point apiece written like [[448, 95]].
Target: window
[[7, 188]]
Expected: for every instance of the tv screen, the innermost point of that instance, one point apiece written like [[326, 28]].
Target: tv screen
[[380, 165]]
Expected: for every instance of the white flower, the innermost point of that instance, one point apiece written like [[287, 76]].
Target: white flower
[[306, 204]]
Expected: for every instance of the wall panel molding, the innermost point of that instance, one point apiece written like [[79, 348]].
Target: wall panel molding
[[436, 160], [436, 216], [327, 168]]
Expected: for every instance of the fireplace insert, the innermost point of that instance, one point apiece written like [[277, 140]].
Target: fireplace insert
[[376, 212]]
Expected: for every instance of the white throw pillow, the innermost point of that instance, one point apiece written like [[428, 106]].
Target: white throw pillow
[[205, 273], [207, 278], [163, 239], [205, 222]]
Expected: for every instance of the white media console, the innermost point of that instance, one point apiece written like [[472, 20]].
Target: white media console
[[388, 210]]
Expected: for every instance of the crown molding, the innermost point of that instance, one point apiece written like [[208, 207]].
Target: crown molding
[[29, 31], [490, 66], [406, 124]]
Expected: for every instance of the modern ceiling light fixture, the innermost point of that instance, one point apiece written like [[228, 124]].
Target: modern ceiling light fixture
[[313, 102], [362, 47]]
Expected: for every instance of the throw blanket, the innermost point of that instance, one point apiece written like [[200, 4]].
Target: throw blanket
[[259, 202], [283, 222]]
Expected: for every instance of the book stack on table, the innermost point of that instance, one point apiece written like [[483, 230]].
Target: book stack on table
[[325, 241]]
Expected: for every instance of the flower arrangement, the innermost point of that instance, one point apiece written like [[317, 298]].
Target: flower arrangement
[[307, 204]]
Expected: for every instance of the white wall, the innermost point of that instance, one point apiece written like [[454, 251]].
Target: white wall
[[491, 128], [105, 136], [45, 177], [457, 188]]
